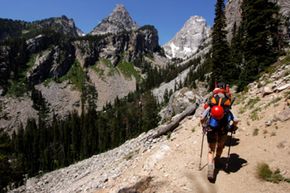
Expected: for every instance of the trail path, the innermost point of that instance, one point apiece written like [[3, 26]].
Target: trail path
[[171, 166]]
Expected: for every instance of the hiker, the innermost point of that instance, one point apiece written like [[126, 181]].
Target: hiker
[[217, 120]]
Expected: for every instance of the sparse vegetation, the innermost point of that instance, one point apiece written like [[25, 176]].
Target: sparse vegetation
[[98, 70], [18, 87], [130, 155], [254, 114], [128, 70], [76, 76], [287, 95], [275, 100], [255, 132], [251, 103], [265, 173], [286, 60], [242, 110]]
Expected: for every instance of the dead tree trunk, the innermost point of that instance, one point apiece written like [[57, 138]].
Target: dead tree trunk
[[173, 124]]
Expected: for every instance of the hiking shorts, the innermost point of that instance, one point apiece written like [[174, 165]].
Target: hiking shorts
[[216, 137]]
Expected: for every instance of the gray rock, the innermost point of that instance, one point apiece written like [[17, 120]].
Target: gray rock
[[283, 115], [281, 88], [267, 90], [268, 123]]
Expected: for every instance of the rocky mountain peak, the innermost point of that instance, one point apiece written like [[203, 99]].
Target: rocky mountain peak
[[119, 20], [187, 41], [61, 24]]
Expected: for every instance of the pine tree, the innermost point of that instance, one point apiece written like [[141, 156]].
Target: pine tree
[[236, 52], [150, 115], [260, 21], [220, 49]]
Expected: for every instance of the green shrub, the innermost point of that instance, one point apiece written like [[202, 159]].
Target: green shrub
[[128, 70], [265, 173], [75, 76], [17, 88]]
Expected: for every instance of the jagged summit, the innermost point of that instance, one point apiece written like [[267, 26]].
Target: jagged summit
[[61, 24], [119, 20], [188, 39]]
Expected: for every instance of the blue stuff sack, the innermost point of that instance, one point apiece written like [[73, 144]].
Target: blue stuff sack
[[213, 123]]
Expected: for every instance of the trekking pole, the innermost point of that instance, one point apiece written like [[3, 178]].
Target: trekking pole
[[228, 159], [200, 157]]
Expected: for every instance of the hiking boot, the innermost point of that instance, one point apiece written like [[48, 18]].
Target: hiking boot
[[210, 171]]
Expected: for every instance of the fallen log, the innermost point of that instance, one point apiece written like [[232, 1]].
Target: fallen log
[[162, 130]]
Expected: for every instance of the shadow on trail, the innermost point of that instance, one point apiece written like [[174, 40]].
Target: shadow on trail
[[233, 142], [235, 164]]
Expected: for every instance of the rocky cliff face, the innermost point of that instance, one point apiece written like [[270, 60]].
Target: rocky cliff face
[[129, 46], [233, 14], [187, 41], [119, 21]]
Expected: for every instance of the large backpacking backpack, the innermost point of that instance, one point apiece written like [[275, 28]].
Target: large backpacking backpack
[[220, 104]]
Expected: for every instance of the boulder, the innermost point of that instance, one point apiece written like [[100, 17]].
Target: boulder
[[283, 87], [178, 102], [267, 90], [283, 115]]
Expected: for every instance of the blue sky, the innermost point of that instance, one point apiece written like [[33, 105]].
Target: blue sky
[[168, 16]]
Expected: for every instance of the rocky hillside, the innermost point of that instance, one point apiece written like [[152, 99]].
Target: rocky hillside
[[59, 64], [118, 21], [189, 39], [170, 163]]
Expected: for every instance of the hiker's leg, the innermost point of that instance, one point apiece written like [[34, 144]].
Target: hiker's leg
[[212, 141], [221, 144], [211, 152]]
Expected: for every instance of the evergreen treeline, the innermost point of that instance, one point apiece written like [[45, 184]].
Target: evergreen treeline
[[45, 147], [256, 43]]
